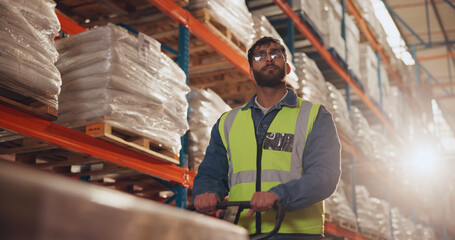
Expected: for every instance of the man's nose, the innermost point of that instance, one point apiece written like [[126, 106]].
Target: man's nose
[[268, 57]]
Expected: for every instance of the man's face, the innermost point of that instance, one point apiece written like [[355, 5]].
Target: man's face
[[269, 66]]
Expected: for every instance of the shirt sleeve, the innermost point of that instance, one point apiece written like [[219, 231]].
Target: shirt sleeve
[[321, 166], [212, 173]]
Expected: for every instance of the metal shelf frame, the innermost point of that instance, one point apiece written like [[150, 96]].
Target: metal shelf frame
[[30, 125], [53, 133]]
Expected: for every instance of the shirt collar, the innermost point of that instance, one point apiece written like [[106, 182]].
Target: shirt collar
[[289, 100]]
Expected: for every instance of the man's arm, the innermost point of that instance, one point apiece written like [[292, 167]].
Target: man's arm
[[212, 176], [321, 166]]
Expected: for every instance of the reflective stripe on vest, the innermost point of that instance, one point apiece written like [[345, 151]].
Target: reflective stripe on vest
[[285, 140]]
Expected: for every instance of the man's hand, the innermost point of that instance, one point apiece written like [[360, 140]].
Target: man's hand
[[205, 202], [262, 201]]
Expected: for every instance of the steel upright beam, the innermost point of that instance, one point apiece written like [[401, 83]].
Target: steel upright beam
[[68, 25], [181, 193], [30, 125]]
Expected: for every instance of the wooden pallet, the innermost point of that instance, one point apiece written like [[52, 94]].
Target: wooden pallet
[[22, 145], [93, 170], [328, 217], [346, 225], [371, 236], [131, 140], [220, 30], [27, 104]]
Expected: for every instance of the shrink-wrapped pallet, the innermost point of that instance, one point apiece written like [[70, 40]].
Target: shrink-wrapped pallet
[[352, 45], [340, 113], [311, 81], [340, 209], [205, 109], [27, 52], [331, 26], [113, 77], [366, 9], [393, 106], [369, 72], [362, 131], [403, 228], [383, 152], [263, 28], [373, 214], [233, 14], [425, 233]]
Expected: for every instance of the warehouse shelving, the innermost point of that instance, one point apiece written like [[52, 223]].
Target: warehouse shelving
[[45, 130], [154, 164], [30, 125], [185, 18]]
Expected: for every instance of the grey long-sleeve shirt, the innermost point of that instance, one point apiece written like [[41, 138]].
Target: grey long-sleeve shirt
[[321, 159]]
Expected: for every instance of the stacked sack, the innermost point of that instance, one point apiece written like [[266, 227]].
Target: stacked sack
[[373, 214], [331, 26], [111, 76], [340, 112], [384, 152], [425, 233], [205, 109], [338, 206], [27, 52], [403, 228], [362, 131], [262, 28], [369, 72], [312, 83], [233, 14]]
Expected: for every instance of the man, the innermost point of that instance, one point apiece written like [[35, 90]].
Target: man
[[275, 147]]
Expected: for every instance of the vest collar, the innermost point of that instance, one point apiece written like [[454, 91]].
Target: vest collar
[[289, 100]]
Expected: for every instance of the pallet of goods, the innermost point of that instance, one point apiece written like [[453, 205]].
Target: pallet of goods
[[29, 79], [133, 92]]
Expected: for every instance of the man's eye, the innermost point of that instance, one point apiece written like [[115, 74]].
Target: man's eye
[[259, 56]]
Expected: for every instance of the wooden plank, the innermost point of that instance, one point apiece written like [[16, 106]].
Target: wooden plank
[[102, 172], [210, 66], [130, 140], [346, 225], [26, 145], [328, 217], [27, 104], [220, 30]]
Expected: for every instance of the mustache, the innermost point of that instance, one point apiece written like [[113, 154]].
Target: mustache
[[270, 65]]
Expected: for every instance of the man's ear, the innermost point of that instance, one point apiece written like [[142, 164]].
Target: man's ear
[[288, 68], [252, 75]]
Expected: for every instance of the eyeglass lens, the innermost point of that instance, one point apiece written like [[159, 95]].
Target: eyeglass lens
[[262, 55]]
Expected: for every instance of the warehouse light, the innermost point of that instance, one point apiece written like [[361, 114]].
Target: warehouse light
[[424, 160], [394, 38]]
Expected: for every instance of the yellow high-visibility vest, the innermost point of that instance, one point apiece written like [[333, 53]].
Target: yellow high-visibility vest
[[280, 161]]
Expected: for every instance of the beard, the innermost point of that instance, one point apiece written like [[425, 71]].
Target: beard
[[267, 78]]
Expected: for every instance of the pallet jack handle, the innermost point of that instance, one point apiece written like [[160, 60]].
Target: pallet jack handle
[[278, 206]]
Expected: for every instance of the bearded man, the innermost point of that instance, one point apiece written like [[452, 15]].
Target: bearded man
[[276, 147]]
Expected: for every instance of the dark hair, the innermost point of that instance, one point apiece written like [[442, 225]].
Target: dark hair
[[261, 42]]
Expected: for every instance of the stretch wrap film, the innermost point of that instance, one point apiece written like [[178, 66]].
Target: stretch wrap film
[[233, 14], [205, 109], [27, 52], [373, 214], [338, 206], [111, 76]]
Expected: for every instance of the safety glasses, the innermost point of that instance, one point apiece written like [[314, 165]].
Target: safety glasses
[[262, 55]]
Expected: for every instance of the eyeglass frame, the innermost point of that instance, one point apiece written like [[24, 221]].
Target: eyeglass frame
[[272, 54]]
